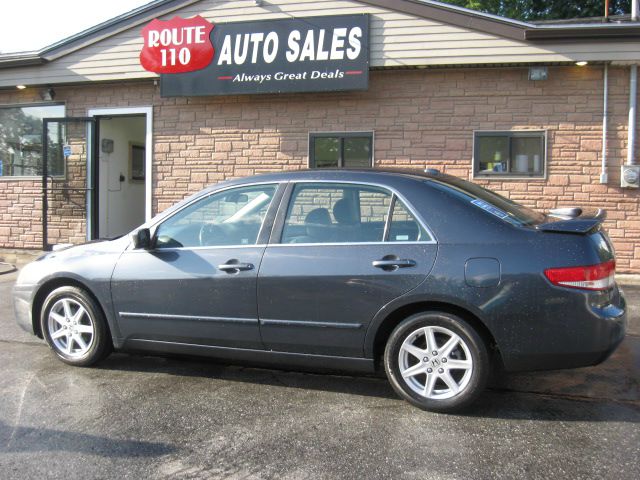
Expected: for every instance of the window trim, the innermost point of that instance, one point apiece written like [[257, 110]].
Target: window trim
[[342, 135], [277, 229], [13, 178], [542, 133], [32, 104]]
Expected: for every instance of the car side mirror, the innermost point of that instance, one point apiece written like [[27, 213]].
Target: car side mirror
[[142, 239]]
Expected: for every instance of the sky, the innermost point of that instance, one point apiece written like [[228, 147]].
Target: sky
[[29, 25]]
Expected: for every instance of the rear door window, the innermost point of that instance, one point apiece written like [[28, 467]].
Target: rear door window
[[335, 213], [403, 226], [345, 213]]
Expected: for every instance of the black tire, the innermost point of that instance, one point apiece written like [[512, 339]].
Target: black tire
[[471, 380], [98, 343]]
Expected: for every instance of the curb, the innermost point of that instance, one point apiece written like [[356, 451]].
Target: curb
[[6, 268], [627, 279]]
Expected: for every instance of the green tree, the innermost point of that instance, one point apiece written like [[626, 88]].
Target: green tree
[[531, 10]]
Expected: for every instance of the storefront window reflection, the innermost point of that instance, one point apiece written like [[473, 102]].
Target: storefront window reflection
[[21, 141]]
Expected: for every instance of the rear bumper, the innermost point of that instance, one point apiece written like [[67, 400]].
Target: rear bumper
[[598, 333], [22, 307]]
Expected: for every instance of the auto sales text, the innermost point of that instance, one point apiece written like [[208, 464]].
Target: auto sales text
[[312, 45]]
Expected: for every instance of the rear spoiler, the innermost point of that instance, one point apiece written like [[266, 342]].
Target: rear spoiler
[[573, 221]]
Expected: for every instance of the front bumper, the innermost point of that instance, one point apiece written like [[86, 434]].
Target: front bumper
[[22, 296]]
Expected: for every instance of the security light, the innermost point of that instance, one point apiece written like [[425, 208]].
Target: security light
[[47, 94]]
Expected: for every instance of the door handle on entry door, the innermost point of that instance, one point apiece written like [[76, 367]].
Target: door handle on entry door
[[390, 263], [233, 266]]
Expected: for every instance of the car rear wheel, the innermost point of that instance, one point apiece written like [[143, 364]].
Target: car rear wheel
[[74, 326], [437, 361]]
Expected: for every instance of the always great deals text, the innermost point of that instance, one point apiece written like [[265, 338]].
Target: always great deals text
[[282, 76]]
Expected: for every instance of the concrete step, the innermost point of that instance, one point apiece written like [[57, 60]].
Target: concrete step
[[18, 257]]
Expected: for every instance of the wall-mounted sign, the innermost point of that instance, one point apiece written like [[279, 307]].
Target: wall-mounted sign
[[275, 56], [176, 46]]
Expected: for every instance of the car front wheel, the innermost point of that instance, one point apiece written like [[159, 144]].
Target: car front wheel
[[74, 326], [436, 361]]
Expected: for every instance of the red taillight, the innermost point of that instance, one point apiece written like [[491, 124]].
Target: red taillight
[[591, 277]]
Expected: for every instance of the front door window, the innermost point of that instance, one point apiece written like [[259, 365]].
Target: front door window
[[230, 217]]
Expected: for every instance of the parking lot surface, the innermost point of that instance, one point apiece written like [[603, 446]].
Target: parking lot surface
[[153, 417]]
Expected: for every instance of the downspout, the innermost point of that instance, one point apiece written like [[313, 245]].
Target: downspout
[[605, 117], [633, 103], [633, 97]]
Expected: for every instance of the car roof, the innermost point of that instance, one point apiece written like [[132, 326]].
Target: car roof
[[344, 174]]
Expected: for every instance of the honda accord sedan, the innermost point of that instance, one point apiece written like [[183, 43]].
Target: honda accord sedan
[[429, 277]]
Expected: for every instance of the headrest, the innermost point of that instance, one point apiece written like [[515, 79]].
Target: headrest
[[318, 216], [344, 212]]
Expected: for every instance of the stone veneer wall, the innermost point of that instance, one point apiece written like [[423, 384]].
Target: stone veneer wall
[[420, 118]]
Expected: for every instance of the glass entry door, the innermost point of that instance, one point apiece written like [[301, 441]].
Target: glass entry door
[[68, 179]]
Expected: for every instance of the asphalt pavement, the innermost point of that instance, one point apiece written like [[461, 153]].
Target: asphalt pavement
[[154, 417]]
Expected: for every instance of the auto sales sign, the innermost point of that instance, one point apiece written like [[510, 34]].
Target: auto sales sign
[[313, 54]]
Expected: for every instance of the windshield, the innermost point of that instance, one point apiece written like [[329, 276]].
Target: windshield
[[491, 202]]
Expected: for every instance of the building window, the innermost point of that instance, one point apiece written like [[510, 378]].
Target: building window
[[341, 150], [514, 154], [21, 140]]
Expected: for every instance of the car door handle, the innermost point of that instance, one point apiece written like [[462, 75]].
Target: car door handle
[[392, 264], [234, 266]]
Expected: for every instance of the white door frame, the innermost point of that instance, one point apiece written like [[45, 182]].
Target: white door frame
[[148, 112]]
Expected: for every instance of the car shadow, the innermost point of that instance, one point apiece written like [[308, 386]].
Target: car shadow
[[509, 398], [30, 439]]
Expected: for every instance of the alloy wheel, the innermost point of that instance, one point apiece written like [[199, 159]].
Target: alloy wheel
[[435, 362], [71, 328]]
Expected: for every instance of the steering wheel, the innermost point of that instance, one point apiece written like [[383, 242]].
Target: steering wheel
[[210, 235]]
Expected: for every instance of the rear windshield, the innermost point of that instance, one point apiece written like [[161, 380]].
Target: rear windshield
[[494, 204]]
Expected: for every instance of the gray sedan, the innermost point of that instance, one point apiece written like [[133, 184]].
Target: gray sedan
[[434, 279]]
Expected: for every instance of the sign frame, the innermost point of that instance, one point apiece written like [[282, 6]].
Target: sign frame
[[282, 75]]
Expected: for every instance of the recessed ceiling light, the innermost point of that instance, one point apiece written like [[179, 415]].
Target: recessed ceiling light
[[21, 87], [581, 63]]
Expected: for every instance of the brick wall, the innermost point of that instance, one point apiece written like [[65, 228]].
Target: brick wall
[[421, 118], [20, 199]]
